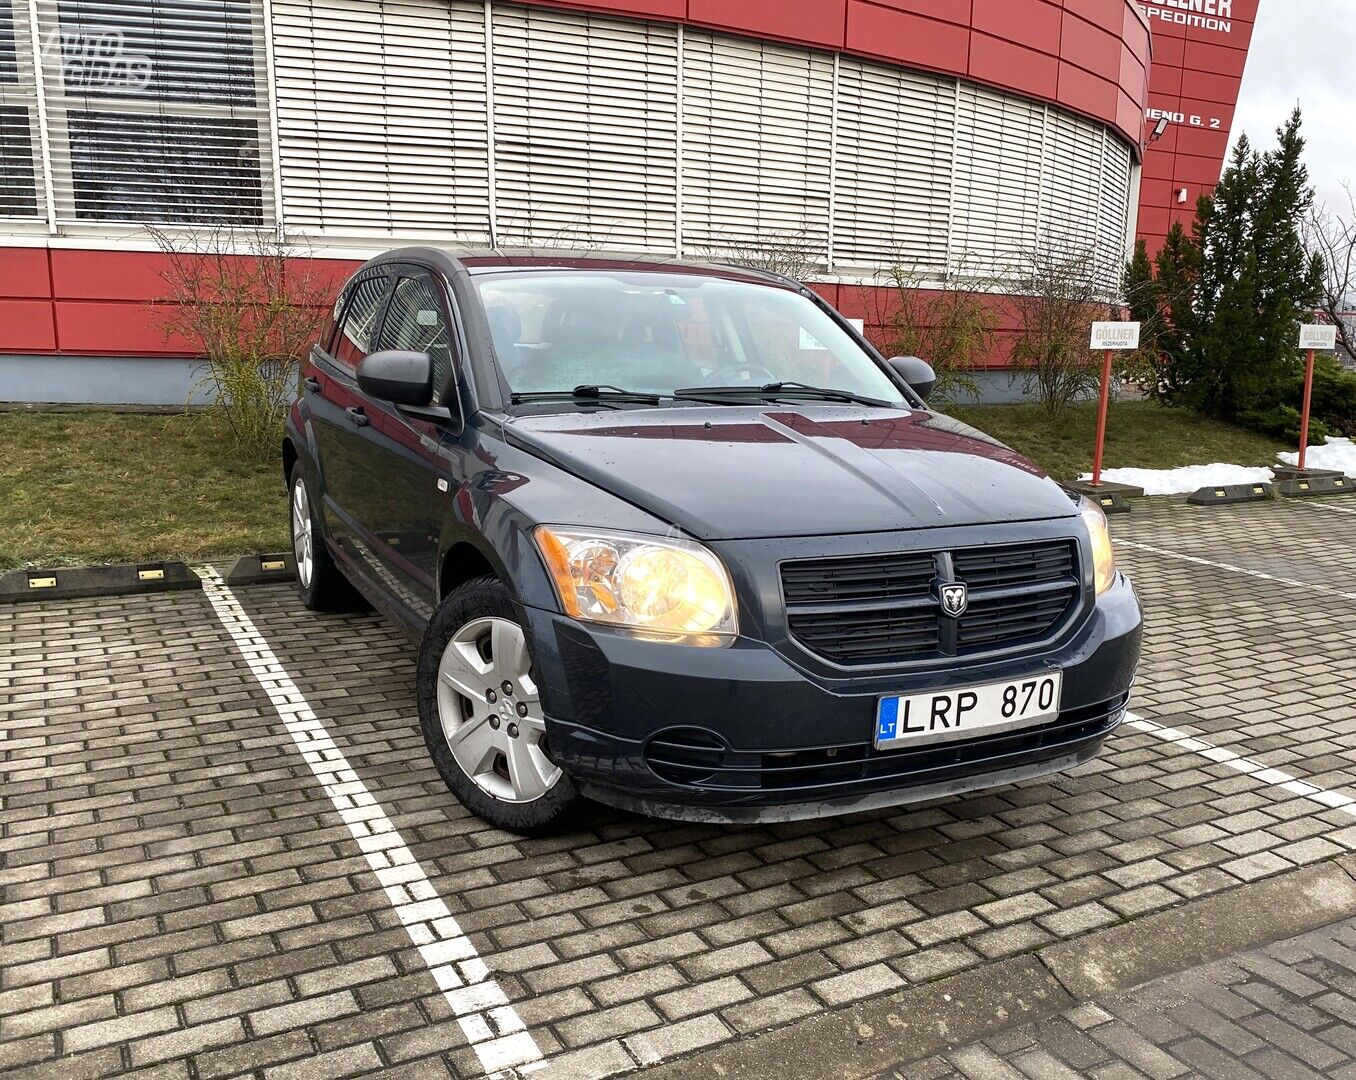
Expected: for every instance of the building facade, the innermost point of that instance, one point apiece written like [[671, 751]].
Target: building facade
[[942, 136]]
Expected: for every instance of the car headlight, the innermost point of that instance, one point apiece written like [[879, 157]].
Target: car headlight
[[671, 588], [1103, 557]]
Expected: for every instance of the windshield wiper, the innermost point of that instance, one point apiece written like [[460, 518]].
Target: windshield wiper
[[776, 390], [588, 392]]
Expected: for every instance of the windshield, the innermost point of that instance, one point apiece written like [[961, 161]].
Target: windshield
[[654, 332]]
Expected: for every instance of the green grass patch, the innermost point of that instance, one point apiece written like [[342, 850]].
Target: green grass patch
[[95, 486], [1139, 435]]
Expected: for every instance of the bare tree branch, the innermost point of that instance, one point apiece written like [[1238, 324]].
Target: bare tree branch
[[1331, 235]]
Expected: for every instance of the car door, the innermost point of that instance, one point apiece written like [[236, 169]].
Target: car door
[[339, 411], [398, 511]]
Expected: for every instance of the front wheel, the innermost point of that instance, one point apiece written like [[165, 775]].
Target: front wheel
[[481, 714], [323, 587]]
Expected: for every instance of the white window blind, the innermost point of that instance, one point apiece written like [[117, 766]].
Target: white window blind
[[895, 153], [382, 118], [996, 196], [585, 129], [20, 153], [1070, 184], [1113, 220], [757, 138], [157, 110]]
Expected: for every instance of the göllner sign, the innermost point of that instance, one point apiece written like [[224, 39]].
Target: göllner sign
[[1115, 335], [1318, 336]]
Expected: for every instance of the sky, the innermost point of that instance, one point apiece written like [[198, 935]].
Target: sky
[[1305, 51]]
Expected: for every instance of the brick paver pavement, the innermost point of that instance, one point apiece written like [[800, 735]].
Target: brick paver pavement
[[1284, 1012], [180, 895]]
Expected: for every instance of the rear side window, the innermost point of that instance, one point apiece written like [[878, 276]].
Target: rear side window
[[364, 304], [415, 322]]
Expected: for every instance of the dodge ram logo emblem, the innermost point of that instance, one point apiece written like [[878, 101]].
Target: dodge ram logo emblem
[[955, 597]]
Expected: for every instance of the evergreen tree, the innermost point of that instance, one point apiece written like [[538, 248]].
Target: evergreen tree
[[1255, 282], [1178, 266]]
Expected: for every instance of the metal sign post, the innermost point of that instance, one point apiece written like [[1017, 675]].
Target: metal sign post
[[1109, 337], [1312, 338]]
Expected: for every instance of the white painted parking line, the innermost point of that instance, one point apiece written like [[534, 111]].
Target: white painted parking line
[[1313, 585], [1331, 800], [1326, 506], [491, 1024]]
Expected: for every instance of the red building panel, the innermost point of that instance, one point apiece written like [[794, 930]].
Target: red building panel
[[115, 328], [811, 22], [24, 273], [107, 275], [1091, 48], [1001, 63], [27, 326], [907, 39], [1035, 25]]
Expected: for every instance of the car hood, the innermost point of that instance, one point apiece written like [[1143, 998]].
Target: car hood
[[736, 472]]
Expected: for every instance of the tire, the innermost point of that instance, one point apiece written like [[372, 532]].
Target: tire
[[322, 585], [500, 768]]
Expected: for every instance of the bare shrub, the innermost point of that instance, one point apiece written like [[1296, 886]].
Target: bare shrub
[[1058, 299], [249, 302], [798, 254], [951, 322]]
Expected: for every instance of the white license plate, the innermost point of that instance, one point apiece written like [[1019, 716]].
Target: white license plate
[[968, 712]]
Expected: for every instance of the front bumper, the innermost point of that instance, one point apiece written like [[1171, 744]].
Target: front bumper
[[745, 734]]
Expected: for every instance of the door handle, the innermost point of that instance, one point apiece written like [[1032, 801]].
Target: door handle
[[312, 384], [356, 414]]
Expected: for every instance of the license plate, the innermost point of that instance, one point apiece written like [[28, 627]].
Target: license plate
[[968, 712]]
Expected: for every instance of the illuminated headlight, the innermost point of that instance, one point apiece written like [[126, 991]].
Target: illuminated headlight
[[1103, 557], [671, 588]]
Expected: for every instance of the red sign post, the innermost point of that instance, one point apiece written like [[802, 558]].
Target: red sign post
[[1312, 338], [1109, 337]]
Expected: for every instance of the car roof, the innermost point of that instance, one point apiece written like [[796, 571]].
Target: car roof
[[481, 261]]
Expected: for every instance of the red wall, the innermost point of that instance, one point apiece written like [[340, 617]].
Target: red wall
[[1196, 76]]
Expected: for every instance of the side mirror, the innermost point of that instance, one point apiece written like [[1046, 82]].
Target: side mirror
[[402, 378], [917, 373]]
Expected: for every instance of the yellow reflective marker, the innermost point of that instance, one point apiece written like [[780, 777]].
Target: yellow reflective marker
[[150, 575], [42, 583], [272, 564]]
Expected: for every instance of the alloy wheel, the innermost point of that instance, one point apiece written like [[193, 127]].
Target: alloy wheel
[[303, 540], [491, 714]]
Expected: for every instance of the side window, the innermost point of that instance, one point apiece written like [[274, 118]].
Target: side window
[[364, 304], [415, 322]]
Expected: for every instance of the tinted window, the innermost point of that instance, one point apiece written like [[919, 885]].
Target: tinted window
[[365, 299], [414, 322]]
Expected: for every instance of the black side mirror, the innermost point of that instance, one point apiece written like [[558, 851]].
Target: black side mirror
[[402, 378], [917, 373]]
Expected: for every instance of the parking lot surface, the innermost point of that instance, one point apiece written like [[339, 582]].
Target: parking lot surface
[[224, 851]]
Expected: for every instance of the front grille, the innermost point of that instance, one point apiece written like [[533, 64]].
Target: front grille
[[698, 760], [882, 609]]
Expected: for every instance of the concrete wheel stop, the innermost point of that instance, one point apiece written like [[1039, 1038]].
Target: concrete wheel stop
[[1231, 494], [261, 570], [1112, 498], [70, 583], [1303, 487]]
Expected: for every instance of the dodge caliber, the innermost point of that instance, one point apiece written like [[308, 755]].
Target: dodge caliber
[[678, 539]]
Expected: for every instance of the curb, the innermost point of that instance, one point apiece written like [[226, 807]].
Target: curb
[[70, 583], [888, 1032]]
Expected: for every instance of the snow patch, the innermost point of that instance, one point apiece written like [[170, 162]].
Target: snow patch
[[1337, 454], [1185, 480]]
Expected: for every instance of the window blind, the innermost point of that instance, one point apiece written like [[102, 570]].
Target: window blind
[[382, 118], [20, 156], [585, 129]]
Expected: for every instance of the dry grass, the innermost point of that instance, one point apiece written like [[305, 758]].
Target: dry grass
[[96, 486], [1139, 435]]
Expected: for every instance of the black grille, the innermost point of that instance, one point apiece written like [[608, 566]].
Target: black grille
[[876, 609], [696, 759]]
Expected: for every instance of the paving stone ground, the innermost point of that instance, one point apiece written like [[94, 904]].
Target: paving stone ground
[[179, 898], [1284, 1012]]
